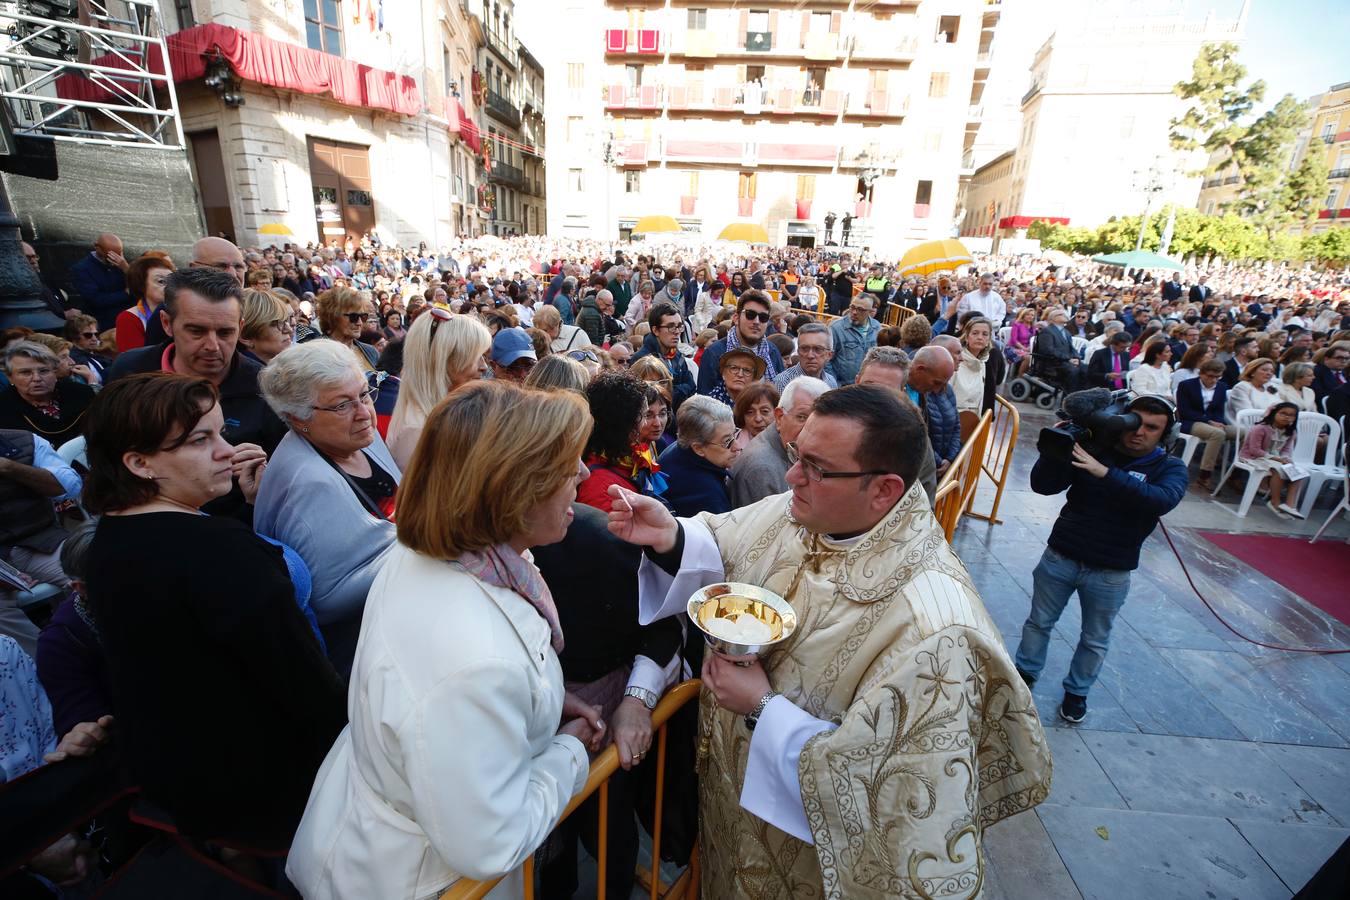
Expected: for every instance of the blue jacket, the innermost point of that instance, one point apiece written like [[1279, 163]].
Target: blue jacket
[[710, 376], [1104, 521], [683, 384], [1191, 403], [944, 424], [850, 346], [103, 288], [694, 485]]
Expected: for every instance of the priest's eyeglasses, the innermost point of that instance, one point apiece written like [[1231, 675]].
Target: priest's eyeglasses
[[815, 473]]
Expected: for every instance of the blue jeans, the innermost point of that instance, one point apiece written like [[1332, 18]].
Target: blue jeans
[[1101, 594]]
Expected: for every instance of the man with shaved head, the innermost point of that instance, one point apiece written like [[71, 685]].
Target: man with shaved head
[[208, 253], [100, 280]]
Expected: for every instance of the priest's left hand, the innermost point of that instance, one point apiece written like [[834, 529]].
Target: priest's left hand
[[737, 688]]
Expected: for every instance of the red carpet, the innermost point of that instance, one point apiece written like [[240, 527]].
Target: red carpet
[[1319, 573]]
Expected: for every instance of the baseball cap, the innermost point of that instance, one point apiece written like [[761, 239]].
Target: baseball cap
[[511, 344]]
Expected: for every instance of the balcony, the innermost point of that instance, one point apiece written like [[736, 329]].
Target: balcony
[[1026, 98], [1232, 179], [759, 41], [643, 98], [507, 174], [501, 45], [873, 50], [876, 105], [702, 44], [1328, 138], [975, 113], [502, 110], [751, 99], [1339, 173]]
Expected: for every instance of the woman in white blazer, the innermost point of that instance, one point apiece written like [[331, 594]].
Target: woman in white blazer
[[1154, 375], [458, 761], [1255, 388]]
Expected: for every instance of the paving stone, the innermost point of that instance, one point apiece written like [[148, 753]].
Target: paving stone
[[1323, 773], [1294, 852], [1025, 862]]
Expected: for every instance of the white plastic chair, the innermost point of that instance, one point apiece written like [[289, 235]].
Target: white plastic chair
[[1189, 444], [1003, 334], [1079, 345], [1340, 508], [73, 451], [1246, 419], [1310, 425]]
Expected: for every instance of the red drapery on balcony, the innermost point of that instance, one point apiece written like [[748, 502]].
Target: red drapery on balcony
[[462, 125], [745, 206], [686, 205], [803, 209], [1025, 221], [267, 61]]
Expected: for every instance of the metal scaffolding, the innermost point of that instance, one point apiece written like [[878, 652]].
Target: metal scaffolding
[[90, 78]]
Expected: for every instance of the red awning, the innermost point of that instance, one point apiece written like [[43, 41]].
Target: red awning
[[271, 62], [1025, 221]]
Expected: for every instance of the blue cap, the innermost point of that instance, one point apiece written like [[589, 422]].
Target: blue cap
[[511, 344]]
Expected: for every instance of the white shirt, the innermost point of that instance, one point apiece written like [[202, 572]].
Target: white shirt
[[989, 305], [1152, 380], [525, 314]]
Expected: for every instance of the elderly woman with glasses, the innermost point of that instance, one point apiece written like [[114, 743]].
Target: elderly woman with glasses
[[343, 316], [696, 467], [38, 399], [268, 326], [441, 353], [328, 491]]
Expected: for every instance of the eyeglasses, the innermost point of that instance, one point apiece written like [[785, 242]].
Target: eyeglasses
[[39, 372], [669, 329], [282, 325], [755, 315], [856, 308], [739, 370], [729, 442], [222, 266], [88, 334], [369, 395], [357, 318], [582, 356], [652, 415], [815, 473], [811, 351]]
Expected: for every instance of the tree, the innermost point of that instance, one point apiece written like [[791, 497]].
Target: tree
[[1306, 186], [1267, 196], [1217, 103], [1331, 246]]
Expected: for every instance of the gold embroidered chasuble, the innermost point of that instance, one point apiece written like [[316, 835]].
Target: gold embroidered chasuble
[[938, 737]]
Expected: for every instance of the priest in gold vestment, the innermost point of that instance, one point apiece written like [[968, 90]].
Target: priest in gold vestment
[[864, 756]]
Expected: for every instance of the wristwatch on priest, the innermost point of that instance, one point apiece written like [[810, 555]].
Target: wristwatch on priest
[[752, 717], [647, 697]]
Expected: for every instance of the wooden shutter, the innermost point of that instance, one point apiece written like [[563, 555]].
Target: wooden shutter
[[742, 28], [774, 40], [806, 26], [836, 22]]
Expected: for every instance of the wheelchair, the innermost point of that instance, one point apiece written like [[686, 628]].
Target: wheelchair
[[1041, 384]]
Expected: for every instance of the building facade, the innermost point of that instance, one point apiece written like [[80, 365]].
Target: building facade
[[1331, 135], [1097, 113], [715, 112], [389, 136], [985, 196]]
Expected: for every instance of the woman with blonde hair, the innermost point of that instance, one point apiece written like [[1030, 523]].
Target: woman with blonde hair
[[342, 317], [454, 764], [268, 325], [558, 373], [441, 352]]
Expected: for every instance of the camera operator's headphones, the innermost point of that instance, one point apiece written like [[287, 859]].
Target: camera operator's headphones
[[1173, 429]]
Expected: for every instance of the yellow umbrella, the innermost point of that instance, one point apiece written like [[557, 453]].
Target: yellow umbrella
[[275, 228], [744, 231], [935, 256], [656, 225]]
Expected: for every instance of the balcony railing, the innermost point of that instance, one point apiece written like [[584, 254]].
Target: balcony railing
[[1035, 89], [502, 108], [697, 43], [502, 47], [507, 174], [1339, 173], [642, 97], [1328, 138], [759, 40], [871, 48], [1232, 179]]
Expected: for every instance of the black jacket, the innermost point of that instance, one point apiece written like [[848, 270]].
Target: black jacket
[[683, 379], [1325, 381], [1104, 521], [593, 578], [1191, 406], [694, 484], [1100, 366], [1054, 343]]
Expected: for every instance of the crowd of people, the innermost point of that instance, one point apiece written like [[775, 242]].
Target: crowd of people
[[360, 552]]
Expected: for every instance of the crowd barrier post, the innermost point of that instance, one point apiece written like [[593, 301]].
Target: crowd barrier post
[[964, 473], [602, 767], [997, 462]]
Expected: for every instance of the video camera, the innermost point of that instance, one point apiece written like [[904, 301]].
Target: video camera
[[1093, 419]]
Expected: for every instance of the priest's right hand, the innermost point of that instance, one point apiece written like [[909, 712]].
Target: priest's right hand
[[642, 520]]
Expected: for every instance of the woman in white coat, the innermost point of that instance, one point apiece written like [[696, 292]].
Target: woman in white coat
[[462, 751]]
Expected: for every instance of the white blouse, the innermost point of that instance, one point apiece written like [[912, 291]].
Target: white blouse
[[1244, 395], [1155, 380]]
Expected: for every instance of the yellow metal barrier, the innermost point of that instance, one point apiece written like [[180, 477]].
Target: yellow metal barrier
[[964, 472], [997, 462], [896, 315], [602, 767]]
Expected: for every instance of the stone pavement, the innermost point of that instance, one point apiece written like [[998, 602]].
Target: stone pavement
[[1207, 766]]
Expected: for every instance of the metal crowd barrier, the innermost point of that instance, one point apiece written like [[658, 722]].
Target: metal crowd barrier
[[997, 461], [896, 315], [958, 485], [602, 767]]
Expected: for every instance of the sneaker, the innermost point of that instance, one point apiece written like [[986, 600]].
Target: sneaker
[[1073, 709], [1029, 679], [1292, 510], [1277, 510]]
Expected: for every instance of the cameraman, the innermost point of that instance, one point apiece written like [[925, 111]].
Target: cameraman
[[1112, 506]]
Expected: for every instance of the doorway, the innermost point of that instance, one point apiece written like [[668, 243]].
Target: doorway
[[212, 191], [343, 204]]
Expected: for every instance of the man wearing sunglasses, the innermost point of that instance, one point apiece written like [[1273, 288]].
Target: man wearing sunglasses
[[895, 675], [748, 327]]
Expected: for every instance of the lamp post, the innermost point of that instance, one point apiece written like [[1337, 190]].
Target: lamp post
[[1154, 180]]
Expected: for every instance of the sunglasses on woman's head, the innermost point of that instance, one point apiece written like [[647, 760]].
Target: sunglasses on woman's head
[[582, 355]]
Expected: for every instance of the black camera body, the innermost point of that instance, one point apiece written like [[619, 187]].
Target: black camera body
[[1094, 419]]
